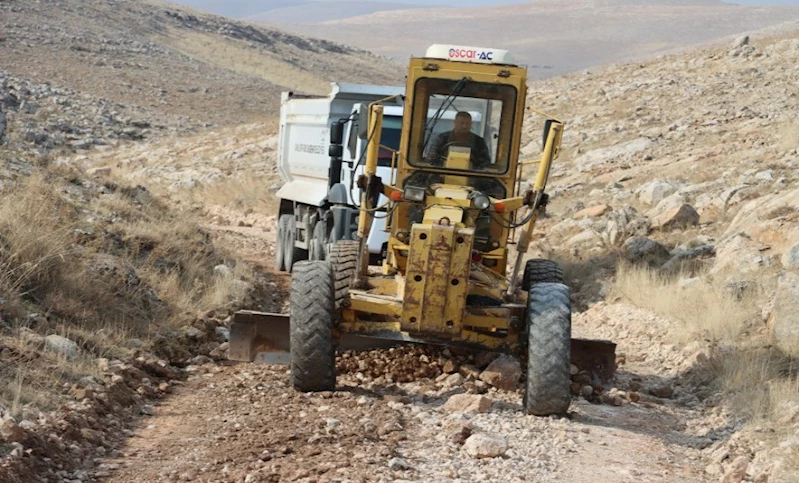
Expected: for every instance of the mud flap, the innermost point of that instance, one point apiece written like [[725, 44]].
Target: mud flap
[[264, 338]]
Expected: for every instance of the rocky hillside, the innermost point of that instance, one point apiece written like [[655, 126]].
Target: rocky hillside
[[170, 62], [674, 211]]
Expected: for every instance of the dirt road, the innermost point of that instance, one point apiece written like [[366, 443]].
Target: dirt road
[[242, 422]]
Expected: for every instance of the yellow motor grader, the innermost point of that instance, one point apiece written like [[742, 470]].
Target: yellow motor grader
[[453, 206]]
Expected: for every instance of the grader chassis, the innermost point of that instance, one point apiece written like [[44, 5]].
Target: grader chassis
[[450, 217]]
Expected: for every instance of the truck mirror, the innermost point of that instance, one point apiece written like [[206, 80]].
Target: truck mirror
[[336, 133], [363, 121], [335, 150], [547, 128]]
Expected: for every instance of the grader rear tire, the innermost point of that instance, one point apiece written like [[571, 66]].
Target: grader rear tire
[[539, 270], [547, 391], [313, 356], [343, 256]]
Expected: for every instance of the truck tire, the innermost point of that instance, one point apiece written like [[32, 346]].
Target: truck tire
[[280, 242], [539, 270], [316, 247], [343, 258], [313, 355], [291, 254], [547, 390]]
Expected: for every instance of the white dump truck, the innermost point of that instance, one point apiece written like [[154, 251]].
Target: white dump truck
[[319, 199]]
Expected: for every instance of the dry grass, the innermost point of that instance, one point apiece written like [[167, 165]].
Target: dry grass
[[248, 193], [757, 380], [701, 310], [101, 265], [789, 136], [237, 56]]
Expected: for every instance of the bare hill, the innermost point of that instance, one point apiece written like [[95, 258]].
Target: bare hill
[[554, 37], [170, 61], [315, 12]]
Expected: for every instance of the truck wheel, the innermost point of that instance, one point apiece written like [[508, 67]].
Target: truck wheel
[[539, 270], [318, 242], [292, 254], [547, 390], [313, 354], [343, 257], [280, 242]]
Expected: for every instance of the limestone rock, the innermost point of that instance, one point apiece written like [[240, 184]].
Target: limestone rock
[[645, 250], [485, 445], [62, 346], [677, 217], [503, 373], [593, 211], [467, 403]]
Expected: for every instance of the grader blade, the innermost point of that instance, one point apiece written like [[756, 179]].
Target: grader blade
[[597, 357], [264, 338]]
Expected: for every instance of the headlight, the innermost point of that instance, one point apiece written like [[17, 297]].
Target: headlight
[[480, 201], [413, 193]]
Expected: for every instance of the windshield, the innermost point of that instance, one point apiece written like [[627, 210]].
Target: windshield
[[462, 125], [389, 138]]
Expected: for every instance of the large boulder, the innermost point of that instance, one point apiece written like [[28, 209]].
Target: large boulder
[[653, 192], [678, 217], [643, 250], [62, 346], [467, 403], [485, 445], [741, 255], [503, 373]]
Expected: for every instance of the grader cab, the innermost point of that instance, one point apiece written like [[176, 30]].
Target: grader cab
[[454, 207]]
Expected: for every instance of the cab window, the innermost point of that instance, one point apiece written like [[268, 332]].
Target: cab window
[[462, 125]]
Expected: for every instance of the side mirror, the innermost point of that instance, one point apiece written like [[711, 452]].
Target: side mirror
[[363, 121], [336, 133], [547, 128]]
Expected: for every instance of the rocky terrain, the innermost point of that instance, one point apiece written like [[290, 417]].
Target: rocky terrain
[[674, 211]]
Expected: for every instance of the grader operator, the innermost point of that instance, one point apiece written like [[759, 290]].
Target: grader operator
[[454, 207]]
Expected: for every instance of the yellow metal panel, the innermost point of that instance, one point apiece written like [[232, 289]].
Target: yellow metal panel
[[437, 213], [374, 304], [437, 279]]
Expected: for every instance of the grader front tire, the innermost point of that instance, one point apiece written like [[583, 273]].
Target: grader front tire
[[547, 391], [313, 354]]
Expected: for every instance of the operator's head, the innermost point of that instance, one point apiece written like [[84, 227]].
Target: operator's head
[[463, 122]]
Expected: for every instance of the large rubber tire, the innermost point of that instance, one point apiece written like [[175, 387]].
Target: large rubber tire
[[292, 254], [318, 243], [343, 257], [547, 390], [313, 356], [280, 242], [539, 270]]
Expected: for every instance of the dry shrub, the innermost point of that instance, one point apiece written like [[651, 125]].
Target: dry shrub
[[177, 259], [35, 248], [758, 381], [702, 310], [250, 193], [753, 379]]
